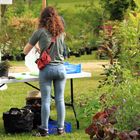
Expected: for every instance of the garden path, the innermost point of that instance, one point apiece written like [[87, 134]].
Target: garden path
[[88, 66]]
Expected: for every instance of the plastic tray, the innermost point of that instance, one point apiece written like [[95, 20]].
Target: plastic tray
[[72, 68]]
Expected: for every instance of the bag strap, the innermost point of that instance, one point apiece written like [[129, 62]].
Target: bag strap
[[53, 40], [14, 111]]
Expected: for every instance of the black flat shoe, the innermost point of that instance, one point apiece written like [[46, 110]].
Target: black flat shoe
[[38, 134], [41, 133], [60, 131]]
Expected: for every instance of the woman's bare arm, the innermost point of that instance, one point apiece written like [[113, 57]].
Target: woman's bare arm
[[27, 48]]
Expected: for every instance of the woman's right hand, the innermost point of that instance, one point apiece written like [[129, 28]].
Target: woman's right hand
[[37, 48]]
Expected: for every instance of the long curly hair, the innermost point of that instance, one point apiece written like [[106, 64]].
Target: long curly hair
[[50, 20]]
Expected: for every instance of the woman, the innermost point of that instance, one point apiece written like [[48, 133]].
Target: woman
[[50, 26]]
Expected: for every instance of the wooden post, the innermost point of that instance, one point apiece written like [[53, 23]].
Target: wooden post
[[44, 4]]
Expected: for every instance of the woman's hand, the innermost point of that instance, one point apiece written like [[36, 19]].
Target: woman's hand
[[37, 48]]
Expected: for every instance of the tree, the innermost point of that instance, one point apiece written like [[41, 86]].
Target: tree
[[117, 8]]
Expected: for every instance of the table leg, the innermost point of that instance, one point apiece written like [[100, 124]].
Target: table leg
[[36, 88], [32, 85], [72, 103], [2, 85]]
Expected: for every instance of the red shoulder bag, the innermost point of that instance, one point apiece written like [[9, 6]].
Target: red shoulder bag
[[45, 58]]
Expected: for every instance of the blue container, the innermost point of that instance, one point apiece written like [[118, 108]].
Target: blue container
[[53, 127], [72, 68]]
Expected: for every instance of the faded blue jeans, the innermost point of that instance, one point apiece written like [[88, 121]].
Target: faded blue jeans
[[57, 75]]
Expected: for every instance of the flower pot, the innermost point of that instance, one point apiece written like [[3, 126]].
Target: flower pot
[[82, 51], [4, 68], [88, 51], [77, 54], [4, 73]]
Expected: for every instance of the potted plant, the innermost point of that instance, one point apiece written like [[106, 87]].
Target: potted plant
[[4, 68]]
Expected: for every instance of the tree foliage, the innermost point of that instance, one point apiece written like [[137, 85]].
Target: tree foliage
[[117, 8]]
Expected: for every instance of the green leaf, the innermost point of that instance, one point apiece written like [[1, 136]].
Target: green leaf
[[137, 2]]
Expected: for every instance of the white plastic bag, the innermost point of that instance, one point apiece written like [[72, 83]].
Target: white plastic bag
[[30, 59]]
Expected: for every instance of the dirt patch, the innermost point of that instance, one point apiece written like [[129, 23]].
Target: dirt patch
[[89, 66], [93, 66], [15, 69]]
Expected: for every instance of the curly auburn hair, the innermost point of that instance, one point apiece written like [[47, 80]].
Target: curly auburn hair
[[50, 20]]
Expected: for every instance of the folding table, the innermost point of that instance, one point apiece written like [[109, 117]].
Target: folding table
[[27, 77]]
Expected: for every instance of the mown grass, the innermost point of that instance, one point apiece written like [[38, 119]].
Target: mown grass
[[15, 96]]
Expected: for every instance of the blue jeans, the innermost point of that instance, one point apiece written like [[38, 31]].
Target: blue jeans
[[57, 75]]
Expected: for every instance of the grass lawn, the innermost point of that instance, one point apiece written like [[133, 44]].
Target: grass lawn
[[84, 89]]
